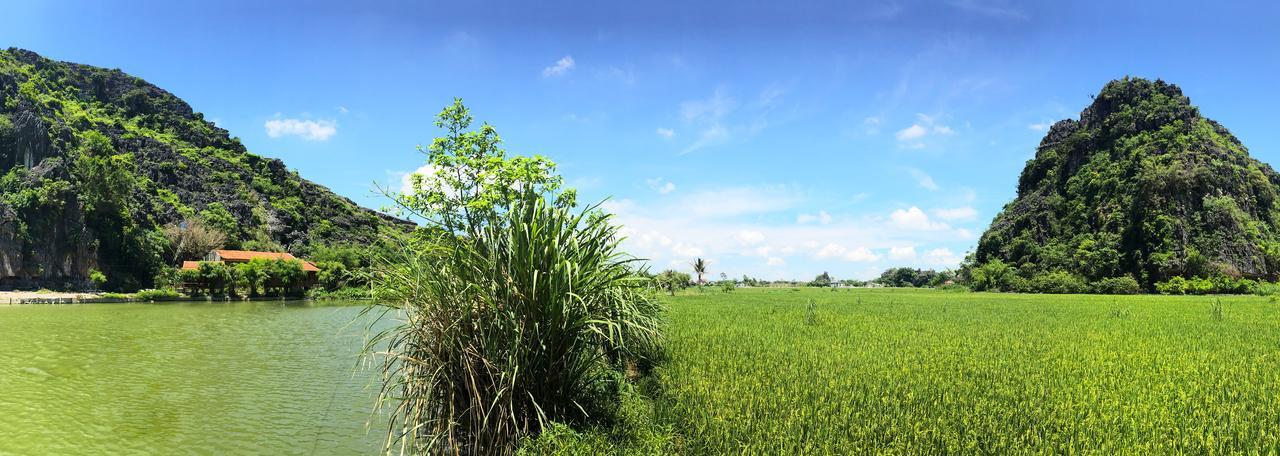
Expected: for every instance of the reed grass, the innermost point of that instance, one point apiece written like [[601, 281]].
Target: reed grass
[[531, 320]]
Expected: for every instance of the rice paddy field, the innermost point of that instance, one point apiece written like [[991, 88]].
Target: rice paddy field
[[858, 371]]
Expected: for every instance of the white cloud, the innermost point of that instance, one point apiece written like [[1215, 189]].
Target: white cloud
[[661, 186], [625, 76], [310, 130], [830, 251], [837, 251], [923, 180], [956, 214], [714, 134], [942, 256], [709, 116], [915, 219], [686, 250], [1043, 126], [926, 125], [666, 133], [712, 109], [748, 237], [735, 201], [912, 132], [821, 217], [720, 118], [861, 255], [748, 230], [561, 67], [343, 109], [902, 253]]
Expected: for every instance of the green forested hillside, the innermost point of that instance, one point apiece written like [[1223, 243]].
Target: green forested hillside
[[95, 162], [1142, 186]]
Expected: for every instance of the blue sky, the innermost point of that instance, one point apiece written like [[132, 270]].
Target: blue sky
[[777, 140]]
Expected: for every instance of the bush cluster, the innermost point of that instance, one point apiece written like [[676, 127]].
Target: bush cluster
[[1212, 285], [998, 276]]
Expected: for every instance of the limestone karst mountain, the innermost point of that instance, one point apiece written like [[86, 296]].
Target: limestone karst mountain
[[1140, 185], [95, 161]]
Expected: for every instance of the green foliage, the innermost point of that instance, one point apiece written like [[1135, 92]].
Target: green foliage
[[273, 277], [156, 294], [220, 220], [994, 275], [168, 278], [822, 280], [910, 277], [910, 371], [530, 319], [699, 267], [672, 280], [634, 430], [216, 279], [513, 311], [1123, 285], [1056, 282], [1140, 186], [346, 294], [1211, 285], [97, 278], [123, 159], [473, 180]]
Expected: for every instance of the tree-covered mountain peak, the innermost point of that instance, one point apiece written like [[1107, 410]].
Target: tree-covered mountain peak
[[1140, 185], [96, 162]]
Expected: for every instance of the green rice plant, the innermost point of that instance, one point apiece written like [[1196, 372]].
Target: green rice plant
[[811, 313], [997, 373], [530, 320], [1118, 311], [1215, 310]]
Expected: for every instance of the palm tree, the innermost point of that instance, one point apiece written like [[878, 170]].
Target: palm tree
[[700, 268]]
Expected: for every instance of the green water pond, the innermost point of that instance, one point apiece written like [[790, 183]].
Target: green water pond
[[185, 378]]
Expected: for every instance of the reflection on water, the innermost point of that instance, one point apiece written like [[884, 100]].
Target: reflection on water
[[176, 378]]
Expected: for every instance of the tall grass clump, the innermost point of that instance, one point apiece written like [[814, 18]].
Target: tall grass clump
[[532, 321], [514, 314]]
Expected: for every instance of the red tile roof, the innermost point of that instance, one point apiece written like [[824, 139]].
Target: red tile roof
[[246, 255]]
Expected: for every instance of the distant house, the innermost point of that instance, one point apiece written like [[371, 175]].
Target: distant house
[[243, 256]]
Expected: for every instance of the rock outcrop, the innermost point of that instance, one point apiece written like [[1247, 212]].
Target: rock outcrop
[[95, 161], [1141, 185]]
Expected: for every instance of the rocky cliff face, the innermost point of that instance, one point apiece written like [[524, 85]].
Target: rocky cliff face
[[1141, 185], [95, 161]]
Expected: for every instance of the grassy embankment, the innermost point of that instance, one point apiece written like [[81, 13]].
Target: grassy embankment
[[921, 371]]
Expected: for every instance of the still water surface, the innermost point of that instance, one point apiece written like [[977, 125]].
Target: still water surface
[[185, 378]]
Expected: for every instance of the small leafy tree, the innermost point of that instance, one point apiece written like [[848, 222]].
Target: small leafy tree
[[333, 275], [97, 278], [252, 273], [671, 280], [214, 277], [822, 280], [470, 180]]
